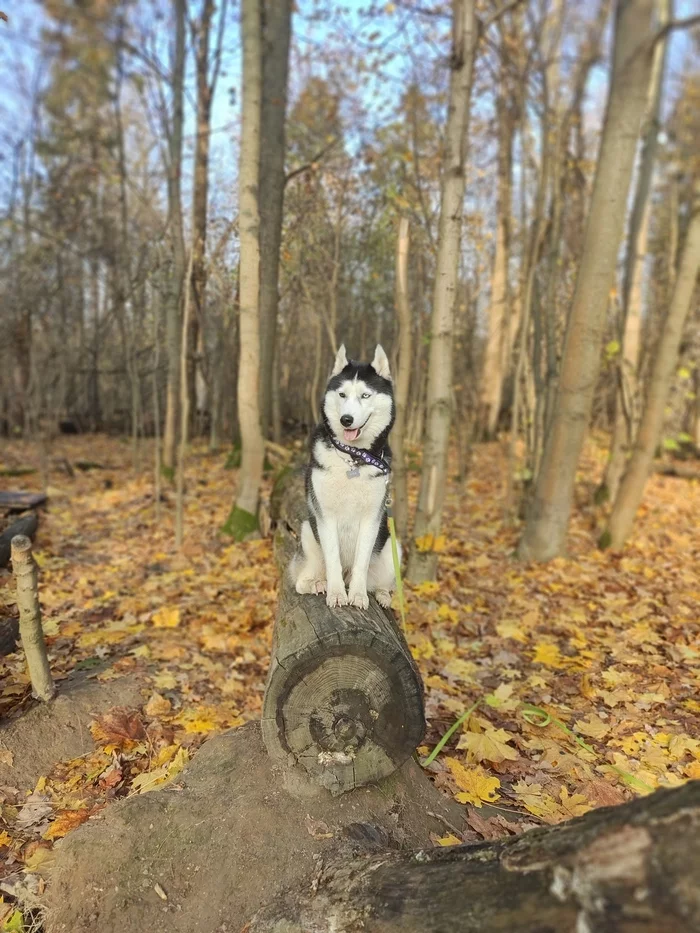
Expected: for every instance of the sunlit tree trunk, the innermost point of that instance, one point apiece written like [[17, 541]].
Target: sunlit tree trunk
[[626, 402], [277, 16], [423, 559], [633, 482], [403, 379], [550, 508], [177, 241], [243, 518], [498, 344]]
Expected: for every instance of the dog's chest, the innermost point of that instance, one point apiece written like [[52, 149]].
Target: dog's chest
[[344, 489]]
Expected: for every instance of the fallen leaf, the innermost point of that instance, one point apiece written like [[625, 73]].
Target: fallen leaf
[[119, 726], [65, 821], [475, 786], [491, 745], [166, 618]]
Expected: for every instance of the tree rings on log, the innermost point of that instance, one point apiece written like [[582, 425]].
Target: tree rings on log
[[343, 698]]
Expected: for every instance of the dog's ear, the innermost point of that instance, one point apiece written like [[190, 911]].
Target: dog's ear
[[380, 363], [341, 361]]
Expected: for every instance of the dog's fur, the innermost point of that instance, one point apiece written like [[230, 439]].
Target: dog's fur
[[347, 536]]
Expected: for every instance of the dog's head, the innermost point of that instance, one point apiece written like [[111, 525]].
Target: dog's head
[[359, 403]]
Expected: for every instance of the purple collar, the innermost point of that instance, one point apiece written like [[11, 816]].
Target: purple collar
[[362, 455]]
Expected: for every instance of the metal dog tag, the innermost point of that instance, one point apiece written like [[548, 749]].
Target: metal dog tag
[[351, 474]]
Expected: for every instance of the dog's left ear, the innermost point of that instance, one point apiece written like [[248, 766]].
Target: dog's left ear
[[341, 361], [380, 363]]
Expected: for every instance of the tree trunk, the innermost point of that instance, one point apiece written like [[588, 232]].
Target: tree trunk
[[628, 869], [277, 17], [422, 564], [243, 518], [626, 416], [200, 199], [499, 318], [403, 380], [30, 630], [344, 698], [545, 531], [634, 480], [177, 240]]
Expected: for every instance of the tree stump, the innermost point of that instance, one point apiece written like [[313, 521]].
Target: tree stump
[[344, 698]]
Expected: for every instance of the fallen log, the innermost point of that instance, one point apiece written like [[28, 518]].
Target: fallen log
[[26, 525], [628, 869], [344, 698], [21, 501]]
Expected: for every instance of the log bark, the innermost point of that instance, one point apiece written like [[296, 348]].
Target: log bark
[[30, 630], [344, 699], [26, 525], [627, 869]]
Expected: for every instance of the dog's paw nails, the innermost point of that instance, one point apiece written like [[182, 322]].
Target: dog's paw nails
[[383, 597], [336, 598], [318, 587], [359, 599]]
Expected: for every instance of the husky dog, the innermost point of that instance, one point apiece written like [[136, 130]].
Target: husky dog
[[346, 536]]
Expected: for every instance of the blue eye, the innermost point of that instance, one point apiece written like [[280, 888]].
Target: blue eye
[[341, 394], [366, 395]]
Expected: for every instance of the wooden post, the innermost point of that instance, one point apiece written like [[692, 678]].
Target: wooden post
[[30, 631], [344, 698]]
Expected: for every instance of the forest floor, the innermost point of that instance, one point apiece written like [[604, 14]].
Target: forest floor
[[582, 675]]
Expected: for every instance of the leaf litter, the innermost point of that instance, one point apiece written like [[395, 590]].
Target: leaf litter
[[606, 646]]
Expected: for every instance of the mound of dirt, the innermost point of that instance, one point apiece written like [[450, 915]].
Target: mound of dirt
[[205, 853]]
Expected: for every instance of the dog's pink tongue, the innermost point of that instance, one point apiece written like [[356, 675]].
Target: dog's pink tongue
[[351, 434]]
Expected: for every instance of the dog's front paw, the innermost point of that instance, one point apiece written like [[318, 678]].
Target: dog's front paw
[[358, 597], [383, 597], [336, 597]]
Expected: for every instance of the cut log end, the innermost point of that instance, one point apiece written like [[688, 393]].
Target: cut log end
[[21, 549]]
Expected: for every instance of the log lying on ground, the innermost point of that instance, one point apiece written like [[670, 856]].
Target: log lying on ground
[[628, 869], [344, 698], [26, 525]]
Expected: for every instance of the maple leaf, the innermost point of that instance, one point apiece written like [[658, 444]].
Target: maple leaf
[[548, 654], [65, 821], [592, 726], [119, 726], [573, 804], [166, 618], [512, 630], [491, 745], [501, 698], [475, 785], [158, 705]]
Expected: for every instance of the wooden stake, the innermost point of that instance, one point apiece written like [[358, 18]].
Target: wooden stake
[[30, 630]]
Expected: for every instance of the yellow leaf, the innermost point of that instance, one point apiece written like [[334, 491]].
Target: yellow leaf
[[166, 618], [573, 804], [39, 861], [501, 698], [446, 613], [460, 670], [491, 745], [158, 705], [429, 542], [165, 681], [511, 630], [449, 840], [149, 780], [592, 726], [428, 588], [65, 821], [5, 839], [475, 785], [548, 654]]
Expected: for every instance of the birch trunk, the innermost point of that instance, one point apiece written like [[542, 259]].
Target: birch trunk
[[423, 559], [177, 241], [634, 480], [626, 417], [243, 518], [403, 379], [276, 37], [545, 531]]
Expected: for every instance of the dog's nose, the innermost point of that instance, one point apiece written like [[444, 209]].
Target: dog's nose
[[346, 420]]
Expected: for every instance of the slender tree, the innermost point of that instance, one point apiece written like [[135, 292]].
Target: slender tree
[[243, 517], [423, 559], [403, 378], [277, 20], [544, 536], [635, 477]]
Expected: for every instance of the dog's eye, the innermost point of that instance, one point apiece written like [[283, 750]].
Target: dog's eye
[[366, 394], [341, 394]]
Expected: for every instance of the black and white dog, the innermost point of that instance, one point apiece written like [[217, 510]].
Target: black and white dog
[[346, 536]]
